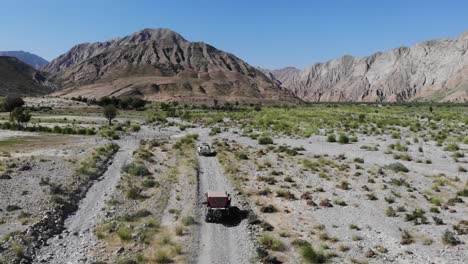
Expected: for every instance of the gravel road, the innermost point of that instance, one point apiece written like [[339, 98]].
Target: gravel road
[[219, 243], [77, 240]]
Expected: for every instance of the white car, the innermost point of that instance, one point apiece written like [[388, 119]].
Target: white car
[[204, 149]]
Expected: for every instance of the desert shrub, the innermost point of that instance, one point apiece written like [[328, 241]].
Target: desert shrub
[[149, 183], [271, 242], [340, 202], [137, 215], [188, 220], [398, 167], [179, 230], [135, 127], [343, 139], [449, 238], [436, 201], [134, 193], [371, 196], [390, 212], [124, 233], [415, 215], [136, 169], [265, 140], [268, 209], [452, 147], [186, 140], [344, 185], [463, 193], [312, 255], [242, 155], [214, 131], [400, 147], [14, 207], [331, 138], [163, 255], [359, 160], [406, 238]]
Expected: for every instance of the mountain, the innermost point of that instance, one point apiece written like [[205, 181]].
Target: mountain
[[161, 65], [281, 75], [435, 70], [26, 57], [19, 78]]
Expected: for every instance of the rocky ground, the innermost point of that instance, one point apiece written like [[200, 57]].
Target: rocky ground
[[337, 197], [378, 198]]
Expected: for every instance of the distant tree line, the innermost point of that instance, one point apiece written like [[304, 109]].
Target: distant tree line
[[125, 103]]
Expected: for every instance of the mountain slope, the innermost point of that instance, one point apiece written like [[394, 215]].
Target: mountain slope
[[159, 64], [281, 75], [19, 78], [26, 57], [434, 70]]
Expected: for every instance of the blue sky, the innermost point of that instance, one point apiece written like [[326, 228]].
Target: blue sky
[[269, 34]]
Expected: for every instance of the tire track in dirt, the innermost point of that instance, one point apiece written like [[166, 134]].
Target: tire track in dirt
[[217, 242]]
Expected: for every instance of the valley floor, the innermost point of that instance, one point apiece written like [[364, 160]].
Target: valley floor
[[134, 194]]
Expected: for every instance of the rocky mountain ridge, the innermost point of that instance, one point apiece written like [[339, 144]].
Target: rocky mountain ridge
[[435, 70], [161, 65]]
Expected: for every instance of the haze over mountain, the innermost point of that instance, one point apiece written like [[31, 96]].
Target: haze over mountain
[[26, 57], [19, 78], [160, 64], [435, 70]]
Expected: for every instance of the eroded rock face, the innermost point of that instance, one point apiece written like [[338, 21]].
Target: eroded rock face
[[161, 65], [435, 70]]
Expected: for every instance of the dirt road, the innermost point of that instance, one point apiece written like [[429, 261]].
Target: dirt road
[[77, 240], [218, 242]]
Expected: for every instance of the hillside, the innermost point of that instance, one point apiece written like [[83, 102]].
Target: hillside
[[161, 65], [26, 57], [18, 78], [435, 70]]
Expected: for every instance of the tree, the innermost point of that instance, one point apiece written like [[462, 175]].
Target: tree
[[20, 115], [12, 102], [110, 112], [138, 103]]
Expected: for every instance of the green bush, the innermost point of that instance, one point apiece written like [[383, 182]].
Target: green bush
[[134, 193], [312, 255], [398, 167], [271, 242], [124, 233], [343, 139], [331, 138], [452, 147], [137, 215], [450, 238], [136, 169], [135, 127], [214, 131], [265, 140]]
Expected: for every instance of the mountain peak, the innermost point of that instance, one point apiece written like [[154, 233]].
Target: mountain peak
[[154, 34]]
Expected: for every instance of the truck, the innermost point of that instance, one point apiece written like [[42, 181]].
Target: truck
[[218, 206]]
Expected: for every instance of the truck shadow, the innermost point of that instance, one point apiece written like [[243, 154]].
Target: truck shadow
[[235, 217]]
